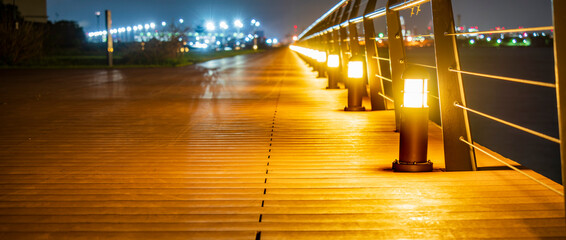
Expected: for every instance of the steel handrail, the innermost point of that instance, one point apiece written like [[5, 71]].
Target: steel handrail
[[517, 80], [511, 166], [377, 13], [524, 129]]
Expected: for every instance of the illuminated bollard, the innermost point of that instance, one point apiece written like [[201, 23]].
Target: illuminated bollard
[[332, 65], [321, 63], [356, 84], [414, 123]]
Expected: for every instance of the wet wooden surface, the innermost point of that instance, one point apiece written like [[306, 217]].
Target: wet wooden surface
[[250, 147]]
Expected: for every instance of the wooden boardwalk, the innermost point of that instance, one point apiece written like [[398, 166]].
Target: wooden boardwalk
[[250, 147]]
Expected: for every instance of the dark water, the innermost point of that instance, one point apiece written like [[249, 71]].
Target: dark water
[[529, 106]]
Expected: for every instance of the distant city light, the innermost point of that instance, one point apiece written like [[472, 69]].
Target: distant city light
[[218, 43], [498, 40], [253, 21], [238, 24], [163, 24], [97, 13], [223, 25], [488, 39], [129, 29], [200, 45], [257, 24], [275, 41], [210, 26], [514, 40], [269, 41], [146, 26], [181, 20], [472, 41], [295, 38], [152, 25], [140, 27], [135, 28]]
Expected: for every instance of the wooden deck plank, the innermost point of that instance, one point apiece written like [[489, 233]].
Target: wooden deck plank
[[262, 151]]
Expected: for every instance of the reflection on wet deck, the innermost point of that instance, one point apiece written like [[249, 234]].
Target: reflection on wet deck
[[241, 148]]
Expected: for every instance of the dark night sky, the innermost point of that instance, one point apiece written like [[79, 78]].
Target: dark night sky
[[279, 16]]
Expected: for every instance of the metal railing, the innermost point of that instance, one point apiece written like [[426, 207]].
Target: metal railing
[[336, 33]]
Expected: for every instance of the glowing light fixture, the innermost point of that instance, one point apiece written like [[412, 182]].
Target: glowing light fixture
[[333, 61], [321, 57], [181, 20], [163, 24], [416, 93], [356, 68], [413, 140], [356, 88]]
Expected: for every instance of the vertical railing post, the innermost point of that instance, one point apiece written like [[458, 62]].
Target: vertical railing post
[[337, 46], [354, 44], [397, 57], [373, 65], [333, 76], [109, 41], [455, 123], [559, 21], [344, 57]]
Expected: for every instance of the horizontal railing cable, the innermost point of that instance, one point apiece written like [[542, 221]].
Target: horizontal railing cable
[[417, 36], [541, 135], [549, 28], [386, 97], [433, 96], [383, 59], [517, 80], [421, 65], [384, 78], [511, 166]]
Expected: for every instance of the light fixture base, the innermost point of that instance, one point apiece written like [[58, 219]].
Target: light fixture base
[[399, 166], [354, 109]]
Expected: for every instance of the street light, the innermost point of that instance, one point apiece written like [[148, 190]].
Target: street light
[[355, 84], [414, 123], [163, 24], [210, 26], [181, 20], [257, 24], [223, 25], [332, 65], [238, 24]]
